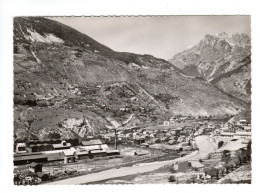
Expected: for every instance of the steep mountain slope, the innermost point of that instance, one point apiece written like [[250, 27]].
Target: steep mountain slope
[[64, 81], [221, 59]]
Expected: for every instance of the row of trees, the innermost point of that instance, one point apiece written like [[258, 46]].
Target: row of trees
[[230, 163], [241, 157]]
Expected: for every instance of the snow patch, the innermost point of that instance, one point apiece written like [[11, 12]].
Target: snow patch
[[47, 38]]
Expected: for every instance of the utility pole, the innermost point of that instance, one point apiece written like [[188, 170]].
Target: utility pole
[[115, 139]]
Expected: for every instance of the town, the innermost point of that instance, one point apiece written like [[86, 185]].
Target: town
[[176, 111], [39, 161]]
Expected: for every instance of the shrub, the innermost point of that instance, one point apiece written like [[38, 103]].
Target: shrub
[[54, 135], [172, 179], [220, 144], [226, 156]]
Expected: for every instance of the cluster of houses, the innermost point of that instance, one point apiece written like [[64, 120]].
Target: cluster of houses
[[171, 133], [242, 129], [174, 120], [199, 125], [59, 150], [160, 138]]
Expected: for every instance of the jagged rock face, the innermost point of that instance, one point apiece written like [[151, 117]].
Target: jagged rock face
[[64, 75], [220, 59]]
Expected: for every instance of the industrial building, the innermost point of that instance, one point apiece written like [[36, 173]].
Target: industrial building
[[61, 152], [26, 158]]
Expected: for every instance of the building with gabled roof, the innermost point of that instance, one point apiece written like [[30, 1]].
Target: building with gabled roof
[[28, 158], [35, 167], [20, 148], [82, 154], [92, 142], [62, 145]]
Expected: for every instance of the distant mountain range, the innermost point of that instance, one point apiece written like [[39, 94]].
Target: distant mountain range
[[223, 60], [63, 77]]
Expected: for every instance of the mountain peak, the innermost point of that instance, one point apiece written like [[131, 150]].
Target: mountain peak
[[222, 34], [237, 39], [217, 55]]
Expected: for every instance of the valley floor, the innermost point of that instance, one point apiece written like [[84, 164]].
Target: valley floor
[[204, 144]]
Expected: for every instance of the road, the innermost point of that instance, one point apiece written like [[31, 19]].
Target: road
[[203, 143]]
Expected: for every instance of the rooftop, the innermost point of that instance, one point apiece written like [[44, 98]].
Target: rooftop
[[243, 133], [59, 145], [92, 147], [226, 133], [92, 142], [31, 157], [21, 145], [98, 151], [26, 154], [112, 151], [82, 152], [69, 152]]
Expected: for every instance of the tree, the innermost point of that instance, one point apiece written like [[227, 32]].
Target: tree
[[213, 172], [172, 179], [54, 135], [193, 178], [15, 136], [206, 171], [243, 154], [226, 156], [248, 150], [239, 156], [189, 143], [220, 143]]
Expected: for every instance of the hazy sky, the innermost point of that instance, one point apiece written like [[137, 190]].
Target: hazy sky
[[161, 36]]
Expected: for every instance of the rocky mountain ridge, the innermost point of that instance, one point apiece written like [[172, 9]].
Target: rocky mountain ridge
[[63, 76], [222, 59]]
